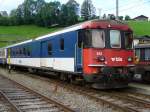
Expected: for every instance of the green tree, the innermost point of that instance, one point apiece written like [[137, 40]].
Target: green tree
[[48, 15], [72, 12], [120, 17], [28, 11], [127, 18], [87, 10]]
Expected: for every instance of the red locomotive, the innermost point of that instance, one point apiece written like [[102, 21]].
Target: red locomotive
[[107, 53]]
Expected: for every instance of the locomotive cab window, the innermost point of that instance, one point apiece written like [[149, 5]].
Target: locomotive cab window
[[62, 44], [49, 48], [98, 39], [115, 39], [128, 40], [92, 38]]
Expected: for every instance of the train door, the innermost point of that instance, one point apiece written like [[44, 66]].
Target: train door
[[8, 61], [79, 47], [43, 54]]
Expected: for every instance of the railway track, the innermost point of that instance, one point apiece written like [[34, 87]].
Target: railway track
[[5, 106], [116, 100], [17, 98]]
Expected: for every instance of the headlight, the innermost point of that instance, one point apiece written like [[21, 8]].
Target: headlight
[[130, 59], [101, 58]]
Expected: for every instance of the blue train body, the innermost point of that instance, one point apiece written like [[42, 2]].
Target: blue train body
[[55, 52]]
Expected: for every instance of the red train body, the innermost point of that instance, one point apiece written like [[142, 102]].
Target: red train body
[[107, 63]]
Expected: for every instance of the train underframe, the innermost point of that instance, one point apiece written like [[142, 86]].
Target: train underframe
[[142, 73], [109, 78]]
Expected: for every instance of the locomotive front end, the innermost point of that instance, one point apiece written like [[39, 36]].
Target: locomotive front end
[[107, 55]]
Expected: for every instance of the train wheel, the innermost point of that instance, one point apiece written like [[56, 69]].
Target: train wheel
[[63, 77], [32, 70]]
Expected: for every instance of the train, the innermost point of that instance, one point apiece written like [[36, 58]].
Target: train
[[142, 68], [96, 52]]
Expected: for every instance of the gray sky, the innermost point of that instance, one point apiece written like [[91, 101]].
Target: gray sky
[[126, 7]]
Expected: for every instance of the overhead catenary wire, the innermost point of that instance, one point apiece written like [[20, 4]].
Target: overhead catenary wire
[[121, 6], [124, 8]]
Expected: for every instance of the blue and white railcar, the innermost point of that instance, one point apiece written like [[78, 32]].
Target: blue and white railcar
[[57, 51]]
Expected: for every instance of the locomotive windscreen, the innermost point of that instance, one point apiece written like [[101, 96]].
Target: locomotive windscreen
[[115, 39], [99, 38], [92, 38]]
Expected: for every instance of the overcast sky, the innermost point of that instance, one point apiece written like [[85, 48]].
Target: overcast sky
[[132, 8]]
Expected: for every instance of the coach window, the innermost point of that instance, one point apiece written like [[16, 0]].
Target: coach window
[[98, 38], [20, 52], [115, 39], [61, 44], [137, 52], [24, 51], [28, 51], [17, 51], [147, 54], [49, 48]]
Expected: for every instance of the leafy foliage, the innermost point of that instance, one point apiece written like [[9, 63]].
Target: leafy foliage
[[88, 10], [42, 13], [127, 18]]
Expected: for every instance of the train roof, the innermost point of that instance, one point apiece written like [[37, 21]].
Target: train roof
[[90, 24], [84, 25], [143, 45], [24, 42]]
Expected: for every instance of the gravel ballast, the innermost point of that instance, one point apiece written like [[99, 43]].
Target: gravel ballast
[[75, 100]]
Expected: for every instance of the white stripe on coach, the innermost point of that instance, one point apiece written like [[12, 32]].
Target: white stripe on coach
[[66, 64]]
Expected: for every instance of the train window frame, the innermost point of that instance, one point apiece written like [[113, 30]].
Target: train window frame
[[13, 52], [49, 48], [16, 52], [137, 51], [125, 38], [29, 50], [114, 37], [24, 51], [20, 51], [62, 44], [147, 53], [102, 34]]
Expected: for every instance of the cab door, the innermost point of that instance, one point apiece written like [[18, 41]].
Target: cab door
[[78, 53]]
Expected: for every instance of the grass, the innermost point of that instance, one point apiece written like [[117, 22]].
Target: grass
[[21, 33], [140, 27]]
